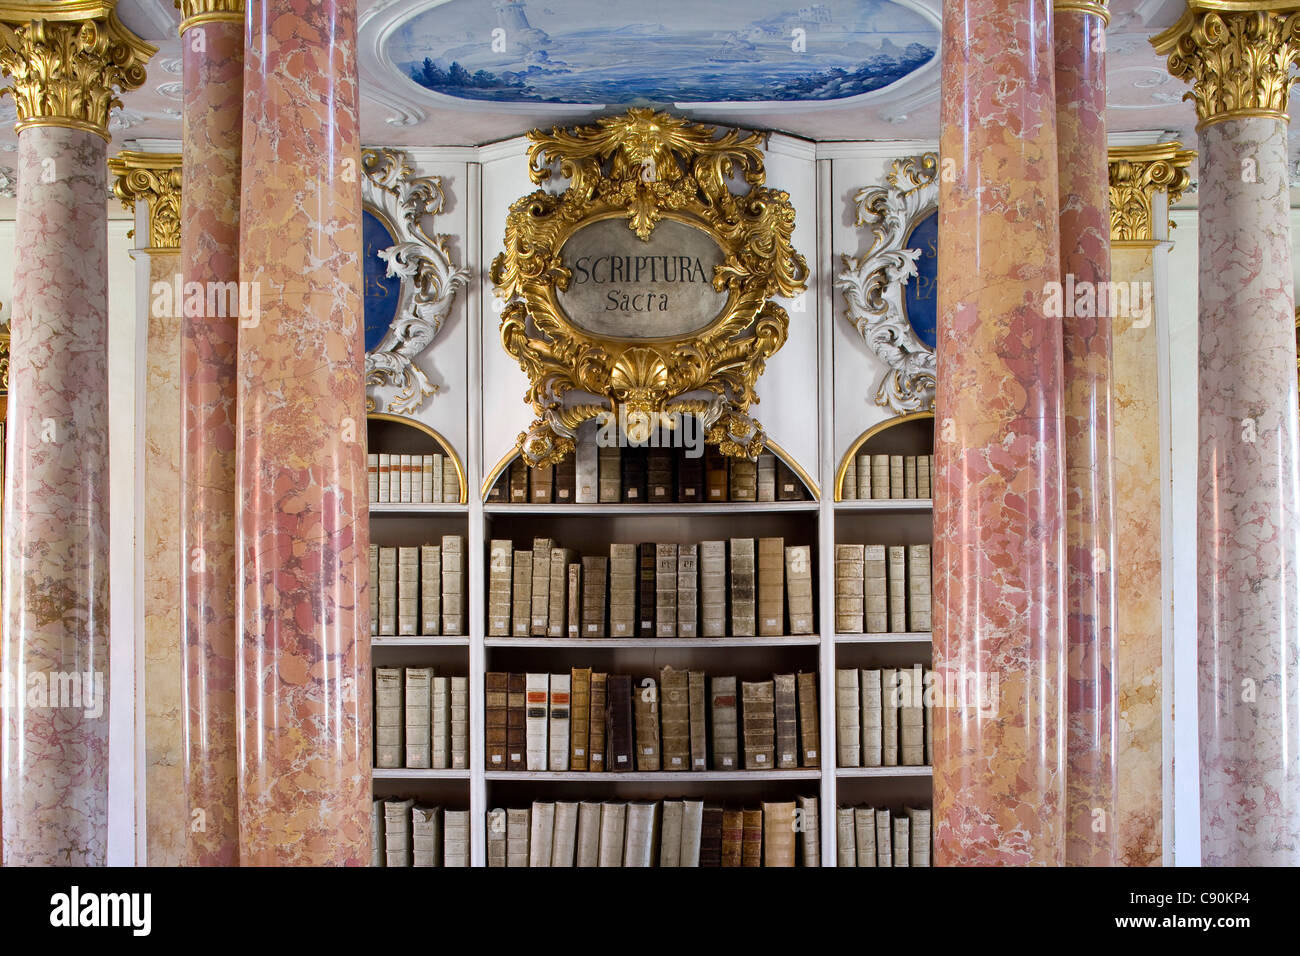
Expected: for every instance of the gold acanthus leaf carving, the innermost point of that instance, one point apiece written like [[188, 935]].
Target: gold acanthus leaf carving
[[1237, 56], [156, 179], [1137, 173], [67, 61]]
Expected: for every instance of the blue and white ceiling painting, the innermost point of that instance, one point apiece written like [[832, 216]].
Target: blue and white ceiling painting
[[661, 51]]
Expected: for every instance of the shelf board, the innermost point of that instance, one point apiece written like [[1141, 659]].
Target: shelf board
[[406, 773], [666, 509], [886, 772], [390, 641], [785, 641], [886, 504], [896, 637], [658, 776], [413, 508]]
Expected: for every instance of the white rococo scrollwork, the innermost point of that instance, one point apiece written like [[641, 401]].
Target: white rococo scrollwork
[[873, 285], [429, 278]]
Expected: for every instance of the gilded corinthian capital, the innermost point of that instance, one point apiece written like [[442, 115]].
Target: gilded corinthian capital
[[1237, 55], [1137, 173], [67, 61], [194, 12], [1096, 7], [155, 178]]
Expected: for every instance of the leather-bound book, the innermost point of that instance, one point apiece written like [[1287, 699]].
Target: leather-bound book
[[599, 719], [453, 584], [743, 479], [688, 590], [500, 578], [848, 725], [698, 694], [902, 853], [665, 602], [884, 839], [566, 481], [846, 851], [715, 475], [911, 720], [809, 728], [613, 823], [455, 838], [848, 588], [920, 836], [725, 730], [798, 588], [573, 605], [518, 831], [645, 617], [541, 833], [564, 842], [788, 485], [390, 717], [580, 717], [419, 717], [642, 830], [787, 722], [690, 479], [645, 706], [622, 590], [521, 618], [585, 457], [659, 475], [558, 723], [541, 585], [751, 852], [779, 834], [757, 702], [588, 834], [733, 836], [770, 607], [496, 694], [872, 719], [541, 480], [674, 689], [538, 690], [742, 587], [440, 723], [517, 723], [609, 487], [864, 830], [711, 835], [713, 588], [496, 837], [889, 717], [431, 589], [556, 622], [810, 853], [692, 827], [500, 490], [594, 574], [875, 593], [670, 842], [619, 741], [766, 477], [632, 472], [518, 482]]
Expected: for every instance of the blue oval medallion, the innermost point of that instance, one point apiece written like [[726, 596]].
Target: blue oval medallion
[[920, 303], [382, 292]]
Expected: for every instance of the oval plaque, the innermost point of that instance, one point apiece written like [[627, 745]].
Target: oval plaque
[[919, 302], [382, 291], [625, 288]]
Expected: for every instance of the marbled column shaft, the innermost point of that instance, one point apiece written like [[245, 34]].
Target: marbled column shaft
[[1089, 516], [999, 775], [303, 540], [210, 195], [56, 507], [166, 819], [1248, 532], [1138, 586]]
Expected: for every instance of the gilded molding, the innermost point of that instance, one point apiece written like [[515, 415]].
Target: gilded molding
[[195, 12], [1084, 6], [1137, 173], [4, 359], [155, 178], [67, 61], [1237, 56]]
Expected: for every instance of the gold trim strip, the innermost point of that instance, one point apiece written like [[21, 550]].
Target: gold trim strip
[[1083, 6], [436, 436], [64, 123], [867, 435], [200, 18], [1246, 113]]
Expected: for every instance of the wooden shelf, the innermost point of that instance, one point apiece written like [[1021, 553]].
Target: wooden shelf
[[413, 508], [895, 637], [657, 776], [665, 509], [886, 772], [886, 504], [389, 641], [786, 641], [407, 773]]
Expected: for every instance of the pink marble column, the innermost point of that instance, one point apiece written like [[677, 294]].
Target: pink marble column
[[304, 652], [999, 627], [1091, 767], [1249, 531], [56, 507], [212, 133]]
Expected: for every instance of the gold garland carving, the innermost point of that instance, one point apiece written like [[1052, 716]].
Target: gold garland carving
[[1237, 56], [1137, 173], [67, 61], [155, 178], [644, 166]]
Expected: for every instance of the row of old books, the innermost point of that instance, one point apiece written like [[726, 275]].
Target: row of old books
[[608, 474], [591, 721], [883, 718], [651, 590], [880, 589], [870, 837], [887, 476], [404, 833], [421, 589], [418, 479], [668, 833], [421, 719]]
